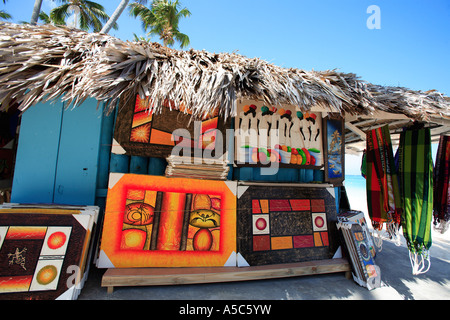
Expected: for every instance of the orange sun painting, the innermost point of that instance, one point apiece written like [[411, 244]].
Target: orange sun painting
[[141, 133], [141, 104]]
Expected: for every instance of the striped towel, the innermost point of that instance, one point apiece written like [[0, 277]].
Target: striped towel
[[416, 176], [441, 205]]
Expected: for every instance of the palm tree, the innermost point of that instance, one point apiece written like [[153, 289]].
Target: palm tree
[[88, 13], [36, 11], [115, 16], [162, 19], [108, 25]]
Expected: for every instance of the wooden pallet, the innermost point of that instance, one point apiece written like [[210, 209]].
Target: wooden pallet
[[176, 276]]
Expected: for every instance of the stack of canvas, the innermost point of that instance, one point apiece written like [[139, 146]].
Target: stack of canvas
[[360, 249], [45, 250], [197, 168]]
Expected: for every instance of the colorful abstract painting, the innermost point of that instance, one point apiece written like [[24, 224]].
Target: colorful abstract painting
[[285, 224], [266, 134], [44, 256], [358, 248], [154, 221], [139, 132]]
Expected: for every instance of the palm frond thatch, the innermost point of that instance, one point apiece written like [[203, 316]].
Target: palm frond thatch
[[43, 63]]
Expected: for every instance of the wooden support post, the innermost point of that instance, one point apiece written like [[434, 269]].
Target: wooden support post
[[119, 163], [157, 166]]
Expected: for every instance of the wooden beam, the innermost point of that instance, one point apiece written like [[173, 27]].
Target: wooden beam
[[356, 130], [125, 277]]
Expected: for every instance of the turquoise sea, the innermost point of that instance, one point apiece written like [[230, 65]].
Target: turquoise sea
[[355, 185]]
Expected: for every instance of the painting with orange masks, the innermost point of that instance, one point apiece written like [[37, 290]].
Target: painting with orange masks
[[154, 221]]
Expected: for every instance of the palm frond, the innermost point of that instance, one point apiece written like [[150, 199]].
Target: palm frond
[[182, 38], [44, 17], [59, 14], [5, 15], [162, 18], [43, 63]]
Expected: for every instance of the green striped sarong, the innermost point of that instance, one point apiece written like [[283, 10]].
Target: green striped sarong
[[416, 179]]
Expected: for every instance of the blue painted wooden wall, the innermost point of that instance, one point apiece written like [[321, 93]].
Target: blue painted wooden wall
[[37, 153], [64, 156]]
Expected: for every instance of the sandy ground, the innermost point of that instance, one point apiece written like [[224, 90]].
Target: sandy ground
[[398, 282]]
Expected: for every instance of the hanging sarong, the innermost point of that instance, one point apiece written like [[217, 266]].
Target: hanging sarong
[[383, 193], [416, 176], [441, 186]]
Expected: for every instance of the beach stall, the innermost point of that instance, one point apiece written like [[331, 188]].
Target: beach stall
[[206, 167]]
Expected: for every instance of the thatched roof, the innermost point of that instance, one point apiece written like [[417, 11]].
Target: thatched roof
[[41, 63]]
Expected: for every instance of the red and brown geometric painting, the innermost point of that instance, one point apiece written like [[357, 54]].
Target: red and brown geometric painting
[[285, 224]]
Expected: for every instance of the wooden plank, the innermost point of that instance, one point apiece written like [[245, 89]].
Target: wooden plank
[[177, 276], [119, 163], [156, 166], [138, 165], [105, 151]]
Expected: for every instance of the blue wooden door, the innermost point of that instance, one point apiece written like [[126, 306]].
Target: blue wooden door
[[58, 154], [76, 170]]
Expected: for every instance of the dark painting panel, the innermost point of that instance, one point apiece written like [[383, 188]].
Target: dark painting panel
[[286, 224], [139, 132]]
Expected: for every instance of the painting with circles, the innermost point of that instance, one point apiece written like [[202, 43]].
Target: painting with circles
[[286, 224]]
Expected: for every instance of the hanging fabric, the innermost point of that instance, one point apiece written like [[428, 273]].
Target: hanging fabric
[[363, 165], [416, 176], [383, 193], [441, 186]]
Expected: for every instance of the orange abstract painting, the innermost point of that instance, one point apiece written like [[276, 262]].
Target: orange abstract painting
[[154, 221], [141, 131]]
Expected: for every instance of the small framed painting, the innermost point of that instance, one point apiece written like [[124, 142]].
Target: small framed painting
[[334, 149]]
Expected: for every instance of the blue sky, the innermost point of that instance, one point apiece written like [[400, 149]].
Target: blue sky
[[411, 49]]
